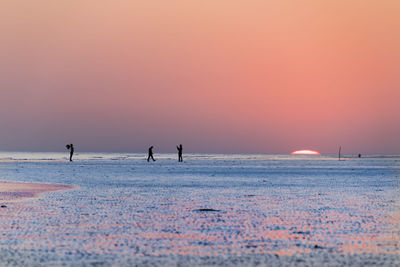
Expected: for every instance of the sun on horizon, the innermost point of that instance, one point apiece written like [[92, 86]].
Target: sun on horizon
[[305, 152]]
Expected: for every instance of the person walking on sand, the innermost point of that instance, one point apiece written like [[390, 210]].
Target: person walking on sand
[[70, 147], [180, 148], [150, 154]]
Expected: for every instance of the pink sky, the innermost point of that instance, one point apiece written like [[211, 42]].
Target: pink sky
[[217, 76]]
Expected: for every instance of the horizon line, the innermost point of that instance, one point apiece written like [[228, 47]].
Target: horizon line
[[190, 152]]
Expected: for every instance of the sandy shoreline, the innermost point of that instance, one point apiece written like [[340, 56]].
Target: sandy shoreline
[[17, 191]]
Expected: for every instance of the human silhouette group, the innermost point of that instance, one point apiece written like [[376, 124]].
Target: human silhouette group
[[70, 147], [179, 148]]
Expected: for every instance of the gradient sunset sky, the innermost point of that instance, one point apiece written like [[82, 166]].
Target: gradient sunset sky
[[215, 75]]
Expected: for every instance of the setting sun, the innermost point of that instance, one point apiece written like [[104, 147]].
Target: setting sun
[[305, 152]]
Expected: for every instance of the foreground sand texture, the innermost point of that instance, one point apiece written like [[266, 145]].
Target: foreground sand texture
[[11, 191], [213, 210]]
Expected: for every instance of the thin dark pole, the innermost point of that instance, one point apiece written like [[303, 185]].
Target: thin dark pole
[[340, 149]]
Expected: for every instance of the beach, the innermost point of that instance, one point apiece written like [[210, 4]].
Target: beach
[[230, 210]]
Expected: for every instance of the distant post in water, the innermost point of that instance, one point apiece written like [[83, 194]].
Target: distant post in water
[[340, 149], [70, 147]]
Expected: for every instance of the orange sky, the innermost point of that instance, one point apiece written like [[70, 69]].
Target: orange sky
[[218, 76]]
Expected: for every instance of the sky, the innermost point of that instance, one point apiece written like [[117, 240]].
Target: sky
[[218, 76]]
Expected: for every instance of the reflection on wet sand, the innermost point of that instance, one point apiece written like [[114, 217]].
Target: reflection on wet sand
[[12, 191]]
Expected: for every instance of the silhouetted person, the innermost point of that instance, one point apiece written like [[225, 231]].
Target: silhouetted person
[[150, 154], [180, 148], [70, 147], [359, 155]]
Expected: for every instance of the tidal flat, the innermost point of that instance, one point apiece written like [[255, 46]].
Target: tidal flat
[[208, 210]]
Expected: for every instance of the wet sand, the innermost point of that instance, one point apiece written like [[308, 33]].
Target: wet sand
[[17, 191]]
